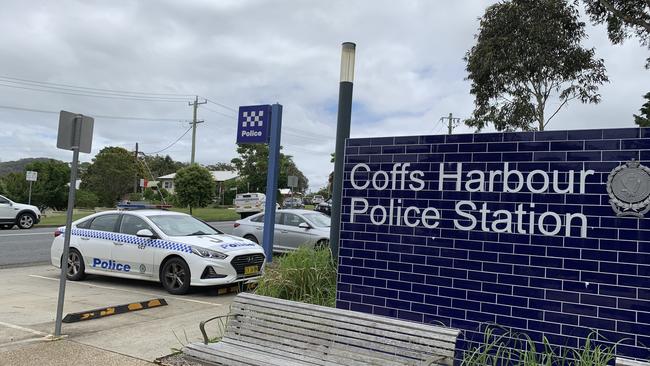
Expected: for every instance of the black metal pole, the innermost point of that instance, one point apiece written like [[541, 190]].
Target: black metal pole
[[342, 133]]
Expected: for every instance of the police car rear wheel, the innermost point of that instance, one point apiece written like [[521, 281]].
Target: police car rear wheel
[[176, 276], [76, 268]]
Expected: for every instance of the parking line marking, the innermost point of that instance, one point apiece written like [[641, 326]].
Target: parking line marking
[[28, 330], [25, 234], [132, 291]]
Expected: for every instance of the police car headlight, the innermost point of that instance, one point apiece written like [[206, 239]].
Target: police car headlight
[[207, 253]]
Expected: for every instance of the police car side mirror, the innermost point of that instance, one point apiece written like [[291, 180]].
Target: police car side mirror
[[304, 225], [146, 233]]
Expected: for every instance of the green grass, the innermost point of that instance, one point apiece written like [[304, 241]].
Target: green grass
[[501, 345], [58, 218], [206, 214], [306, 275], [210, 214]]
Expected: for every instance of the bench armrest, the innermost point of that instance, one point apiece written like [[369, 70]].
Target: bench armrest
[[202, 326]]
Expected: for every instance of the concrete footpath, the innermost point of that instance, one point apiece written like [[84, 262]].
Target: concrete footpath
[[65, 352], [28, 297]]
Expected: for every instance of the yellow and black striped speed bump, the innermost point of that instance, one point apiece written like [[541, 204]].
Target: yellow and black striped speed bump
[[113, 310], [240, 287]]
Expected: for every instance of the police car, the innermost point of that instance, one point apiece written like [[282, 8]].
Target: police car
[[174, 248]]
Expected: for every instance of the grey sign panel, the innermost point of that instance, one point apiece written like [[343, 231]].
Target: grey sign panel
[[292, 181], [75, 130], [31, 176]]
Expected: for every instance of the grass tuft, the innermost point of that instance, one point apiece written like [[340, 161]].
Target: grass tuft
[[306, 275]]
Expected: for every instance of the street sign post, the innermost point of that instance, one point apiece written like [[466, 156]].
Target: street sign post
[[76, 134], [30, 176], [262, 124]]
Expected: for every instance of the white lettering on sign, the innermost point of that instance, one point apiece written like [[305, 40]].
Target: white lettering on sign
[[472, 216], [250, 133]]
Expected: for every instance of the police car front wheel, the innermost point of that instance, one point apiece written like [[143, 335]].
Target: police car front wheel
[[175, 276], [76, 268]]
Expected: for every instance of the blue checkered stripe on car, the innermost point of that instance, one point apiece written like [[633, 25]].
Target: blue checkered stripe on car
[[131, 239]]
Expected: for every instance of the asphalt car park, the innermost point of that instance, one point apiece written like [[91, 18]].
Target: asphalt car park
[[28, 298]]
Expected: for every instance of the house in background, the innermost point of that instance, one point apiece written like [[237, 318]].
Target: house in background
[[219, 176]]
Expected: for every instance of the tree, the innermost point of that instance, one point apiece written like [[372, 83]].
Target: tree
[[111, 174], [526, 52], [220, 166], [643, 120], [51, 188], [15, 187], [624, 18], [252, 165], [161, 165], [194, 186]]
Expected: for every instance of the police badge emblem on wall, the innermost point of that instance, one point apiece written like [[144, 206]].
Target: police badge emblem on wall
[[628, 186]]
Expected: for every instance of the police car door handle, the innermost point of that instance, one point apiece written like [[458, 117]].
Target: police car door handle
[[118, 243]]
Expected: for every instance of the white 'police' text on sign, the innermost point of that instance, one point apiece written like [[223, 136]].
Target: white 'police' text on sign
[[485, 218], [253, 124]]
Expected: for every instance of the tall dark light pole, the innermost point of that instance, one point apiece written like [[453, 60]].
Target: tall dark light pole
[[342, 133]]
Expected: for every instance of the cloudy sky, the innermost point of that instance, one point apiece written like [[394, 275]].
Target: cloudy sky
[[409, 72]]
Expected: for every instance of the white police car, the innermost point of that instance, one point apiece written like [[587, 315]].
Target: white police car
[[174, 248]]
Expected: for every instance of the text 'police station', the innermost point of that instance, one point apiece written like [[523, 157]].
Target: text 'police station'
[[475, 216]]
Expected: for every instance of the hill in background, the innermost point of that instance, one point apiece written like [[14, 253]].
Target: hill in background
[[17, 166]]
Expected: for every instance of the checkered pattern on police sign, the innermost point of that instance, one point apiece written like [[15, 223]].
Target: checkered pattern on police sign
[[130, 239], [252, 118]]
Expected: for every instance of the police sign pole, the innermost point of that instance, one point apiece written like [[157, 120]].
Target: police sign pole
[[262, 124], [76, 134]]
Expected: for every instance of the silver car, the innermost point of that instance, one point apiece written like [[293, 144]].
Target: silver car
[[293, 228]]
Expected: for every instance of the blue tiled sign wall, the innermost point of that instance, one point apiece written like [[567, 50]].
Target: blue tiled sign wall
[[412, 248]]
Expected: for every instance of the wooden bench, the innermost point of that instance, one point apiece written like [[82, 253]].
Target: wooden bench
[[268, 331]]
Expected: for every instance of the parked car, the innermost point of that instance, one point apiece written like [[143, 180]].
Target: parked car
[[12, 213], [293, 202], [324, 207], [293, 228], [174, 248], [317, 199], [307, 200], [247, 204]]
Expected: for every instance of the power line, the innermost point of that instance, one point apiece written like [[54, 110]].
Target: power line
[[221, 113], [17, 80], [151, 99], [220, 104], [170, 145], [95, 116]]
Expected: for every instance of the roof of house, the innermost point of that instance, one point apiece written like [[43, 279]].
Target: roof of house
[[217, 175]]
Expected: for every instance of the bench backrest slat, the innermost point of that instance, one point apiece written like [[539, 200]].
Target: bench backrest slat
[[325, 329], [338, 336]]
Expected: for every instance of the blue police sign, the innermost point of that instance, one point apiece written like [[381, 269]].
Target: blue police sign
[[546, 233], [253, 124]]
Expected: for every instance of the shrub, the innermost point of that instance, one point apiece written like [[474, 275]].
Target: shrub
[[306, 275], [86, 199]]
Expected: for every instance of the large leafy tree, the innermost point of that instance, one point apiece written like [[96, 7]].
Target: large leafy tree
[[15, 187], [158, 165], [252, 165], [624, 18], [111, 174], [643, 119], [528, 54], [194, 186], [51, 188]]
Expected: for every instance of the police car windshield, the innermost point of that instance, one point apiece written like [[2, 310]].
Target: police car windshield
[[181, 225]]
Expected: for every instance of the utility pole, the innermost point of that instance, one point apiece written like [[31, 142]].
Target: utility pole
[[451, 120], [137, 180], [193, 123]]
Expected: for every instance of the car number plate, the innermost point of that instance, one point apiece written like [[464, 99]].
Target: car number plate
[[249, 270]]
